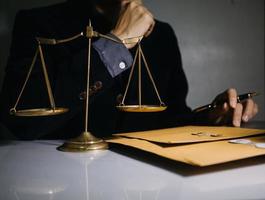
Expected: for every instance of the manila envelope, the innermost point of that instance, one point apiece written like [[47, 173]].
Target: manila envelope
[[192, 134], [198, 154]]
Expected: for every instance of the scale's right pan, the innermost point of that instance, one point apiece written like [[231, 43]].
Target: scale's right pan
[[141, 108]]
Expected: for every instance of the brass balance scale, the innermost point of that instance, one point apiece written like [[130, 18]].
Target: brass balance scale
[[86, 141]]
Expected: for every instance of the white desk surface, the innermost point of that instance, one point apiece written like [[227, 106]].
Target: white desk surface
[[35, 170]]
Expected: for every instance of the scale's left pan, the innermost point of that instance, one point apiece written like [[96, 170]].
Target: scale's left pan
[[38, 112]]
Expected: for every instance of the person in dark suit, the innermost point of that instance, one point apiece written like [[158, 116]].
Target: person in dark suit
[[111, 62]]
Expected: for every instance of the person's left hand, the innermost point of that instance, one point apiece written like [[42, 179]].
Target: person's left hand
[[232, 112], [135, 21]]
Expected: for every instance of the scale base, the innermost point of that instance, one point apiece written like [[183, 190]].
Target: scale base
[[85, 142]]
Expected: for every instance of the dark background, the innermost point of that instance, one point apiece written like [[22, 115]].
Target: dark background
[[222, 42]]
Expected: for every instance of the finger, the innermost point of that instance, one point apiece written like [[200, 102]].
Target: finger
[[148, 12], [123, 2], [133, 4], [150, 30], [219, 114], [149, 18], [248, 110], [255, 110], [237, 115], [229, 96], [222, 114], [124, 7], [222, 110], [138, 1], [232, 97], [141, 10]]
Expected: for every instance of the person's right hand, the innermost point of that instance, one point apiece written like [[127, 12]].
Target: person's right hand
[[134, 21], [232, 112]]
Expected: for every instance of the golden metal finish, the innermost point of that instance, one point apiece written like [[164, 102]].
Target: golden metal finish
[[90, 33], [132, 40], [38, 112], [51, 41], [48, 85], [46, 41], [141, 108], [85, 142], [27, 78], [53, 110]]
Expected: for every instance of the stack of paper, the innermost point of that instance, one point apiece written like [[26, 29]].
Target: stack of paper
[[196, 145]]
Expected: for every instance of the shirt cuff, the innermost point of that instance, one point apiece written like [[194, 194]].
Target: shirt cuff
[[115, 56]]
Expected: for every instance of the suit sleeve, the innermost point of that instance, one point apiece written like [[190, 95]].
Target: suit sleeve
[[115, 56]]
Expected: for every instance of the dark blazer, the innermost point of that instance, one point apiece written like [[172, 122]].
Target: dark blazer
[[66, 65]]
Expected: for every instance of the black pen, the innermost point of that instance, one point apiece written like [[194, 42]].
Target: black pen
[[240, 98]]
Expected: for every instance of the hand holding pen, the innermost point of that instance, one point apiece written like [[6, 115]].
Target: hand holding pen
[[230, 108]]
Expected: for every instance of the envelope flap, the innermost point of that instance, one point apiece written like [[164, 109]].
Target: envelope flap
[[192, 134], [199, 154]]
